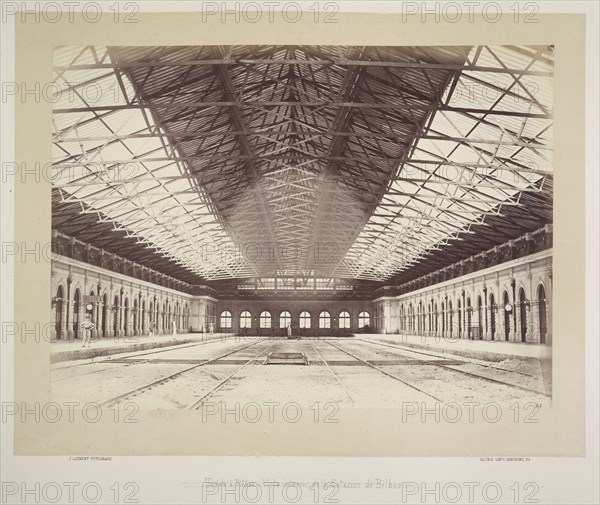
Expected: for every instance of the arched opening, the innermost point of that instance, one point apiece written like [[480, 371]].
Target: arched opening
[[225, 320], [104, 314], [479, 317], [76, 312], [143, 317], [364, 320], [402, 318], [493, 310], [541, 296], [523, 314], [507, 314], [136, 316], [435, 317], [116, 316], [58, 312], [429, 316], [265, 319], [443, 318], [344, 320], [92, 311], [285, 319], [304, 320], [126, 317], [460, 319], [324, 320], [245, 320], [469, 310], [450, 318]]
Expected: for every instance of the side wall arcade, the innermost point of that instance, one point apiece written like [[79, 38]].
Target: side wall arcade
[[126, 306], [511, 301]]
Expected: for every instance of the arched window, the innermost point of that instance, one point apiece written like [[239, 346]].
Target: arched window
[[245, 319], [285, 318], [364, 319], [324, 320], [265, 319], [225, 320], [344, 320], [304, 320]]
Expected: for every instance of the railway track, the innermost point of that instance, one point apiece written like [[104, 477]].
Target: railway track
[[462, 358], [464, 372], [337, 378], [412, 386], [170, 377], [111, 360], [197, 403]]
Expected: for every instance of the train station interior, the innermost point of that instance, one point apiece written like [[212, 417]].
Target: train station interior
[[359, 226]]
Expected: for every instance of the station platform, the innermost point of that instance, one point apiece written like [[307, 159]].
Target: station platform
[[486, 350], [73, 350]]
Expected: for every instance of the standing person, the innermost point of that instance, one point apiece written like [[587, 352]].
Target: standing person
[[174, 327], [88, 326], [151, 328], [211, 328], [289, 330]]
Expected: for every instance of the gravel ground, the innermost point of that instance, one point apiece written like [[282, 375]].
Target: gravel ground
[[337, 375]]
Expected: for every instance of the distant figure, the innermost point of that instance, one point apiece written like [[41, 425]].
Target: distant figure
[[211, 328], [174, 327], [88, 326], [289, 330], [151, 328]]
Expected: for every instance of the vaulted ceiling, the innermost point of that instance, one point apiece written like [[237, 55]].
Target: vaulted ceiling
[[372, 163]]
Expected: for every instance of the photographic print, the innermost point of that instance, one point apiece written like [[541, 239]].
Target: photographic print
[[340, 226]]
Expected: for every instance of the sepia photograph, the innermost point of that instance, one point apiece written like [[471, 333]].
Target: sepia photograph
[[357, 226], [299, 252]]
